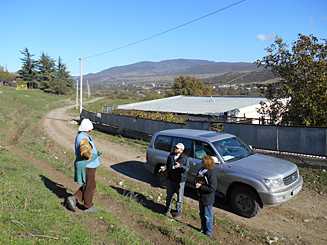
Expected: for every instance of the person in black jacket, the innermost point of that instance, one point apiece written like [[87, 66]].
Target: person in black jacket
[[177, 167], [206, 184]]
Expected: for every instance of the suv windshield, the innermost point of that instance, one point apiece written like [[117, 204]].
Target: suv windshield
[[232, 149]]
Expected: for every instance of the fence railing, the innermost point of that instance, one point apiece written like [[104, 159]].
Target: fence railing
[[302, 140]]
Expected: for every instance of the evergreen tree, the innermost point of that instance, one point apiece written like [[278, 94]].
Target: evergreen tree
[[28, 69], [46, 71], [62, 82]]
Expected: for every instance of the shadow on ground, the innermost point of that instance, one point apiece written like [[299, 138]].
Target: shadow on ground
[[140, 198], [136, 170], [58, 189]]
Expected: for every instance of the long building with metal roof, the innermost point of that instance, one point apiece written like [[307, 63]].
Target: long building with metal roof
[[202, 105]]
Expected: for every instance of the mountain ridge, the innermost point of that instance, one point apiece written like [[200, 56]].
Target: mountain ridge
[[167, 70]]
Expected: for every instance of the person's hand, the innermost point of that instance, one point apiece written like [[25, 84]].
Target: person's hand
[[198, 185], [162, 169], [178, 165]]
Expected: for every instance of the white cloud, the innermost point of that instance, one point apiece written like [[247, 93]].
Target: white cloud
[[266, 37]]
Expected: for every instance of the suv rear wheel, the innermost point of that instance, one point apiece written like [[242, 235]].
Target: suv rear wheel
[[244, 201]]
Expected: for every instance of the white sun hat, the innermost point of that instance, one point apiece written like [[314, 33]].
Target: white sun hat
[[86, 125]]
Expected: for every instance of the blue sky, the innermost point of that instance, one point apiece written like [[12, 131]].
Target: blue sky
[[71, 29]]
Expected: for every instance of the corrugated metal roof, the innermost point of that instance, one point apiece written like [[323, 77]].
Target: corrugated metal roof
[[195, 104]]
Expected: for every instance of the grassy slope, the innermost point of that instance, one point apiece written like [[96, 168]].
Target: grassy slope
[[26, 210], [28, 214]]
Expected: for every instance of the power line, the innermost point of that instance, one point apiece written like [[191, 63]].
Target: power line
[[168, 30]]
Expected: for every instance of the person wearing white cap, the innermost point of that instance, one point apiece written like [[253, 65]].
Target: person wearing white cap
[[177, 167], [87, 160]]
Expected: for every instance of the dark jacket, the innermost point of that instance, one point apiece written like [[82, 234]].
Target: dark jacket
[[177, 174], [207, 191]]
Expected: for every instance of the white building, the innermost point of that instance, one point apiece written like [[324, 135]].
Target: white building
[[197, 105]]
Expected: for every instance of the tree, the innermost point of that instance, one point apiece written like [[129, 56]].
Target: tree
[[46, 71], [186, 85], [6, 75], [303, 84], [28, 69], [62, 83]]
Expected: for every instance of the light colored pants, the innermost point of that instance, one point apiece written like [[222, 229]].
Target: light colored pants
[[172, 188]]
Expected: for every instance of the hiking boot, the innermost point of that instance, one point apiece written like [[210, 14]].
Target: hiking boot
[[90, 210], [71, 203], [177, 214], [167, 213]]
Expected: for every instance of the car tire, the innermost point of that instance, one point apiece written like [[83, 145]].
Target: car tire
[[244, 201]]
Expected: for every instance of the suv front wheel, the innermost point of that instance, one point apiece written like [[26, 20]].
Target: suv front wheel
[[244, 201]]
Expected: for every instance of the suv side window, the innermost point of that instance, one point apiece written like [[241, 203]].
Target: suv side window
[[201, 149], [188, 143], [163, 143]]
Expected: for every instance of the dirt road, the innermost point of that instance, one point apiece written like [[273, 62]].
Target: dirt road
[[303, 219]]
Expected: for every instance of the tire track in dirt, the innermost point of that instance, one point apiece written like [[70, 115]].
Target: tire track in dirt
[[302, 219]]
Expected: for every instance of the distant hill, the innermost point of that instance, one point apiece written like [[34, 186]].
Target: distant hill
[[167, 70], [260, 76]]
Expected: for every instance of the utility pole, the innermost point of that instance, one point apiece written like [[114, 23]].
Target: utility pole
[[88, 88], [81, 85], [76, 103]]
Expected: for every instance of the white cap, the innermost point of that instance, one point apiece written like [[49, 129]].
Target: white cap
[[180, 146], [86, 125]]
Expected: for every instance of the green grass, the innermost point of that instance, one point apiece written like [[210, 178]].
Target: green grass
[[315, 179], [18, 109], [155, 221], [28, 214]]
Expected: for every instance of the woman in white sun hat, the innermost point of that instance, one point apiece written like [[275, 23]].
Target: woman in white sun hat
[[87, 160]]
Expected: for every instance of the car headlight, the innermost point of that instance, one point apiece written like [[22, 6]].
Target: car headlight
[[274, 183]]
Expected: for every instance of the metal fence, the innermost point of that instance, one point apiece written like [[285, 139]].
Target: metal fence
[[302, 140], [133, 127]]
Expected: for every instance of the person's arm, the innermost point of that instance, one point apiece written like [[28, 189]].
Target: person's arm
[[169, 162], [212, 185], [185, 164]]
